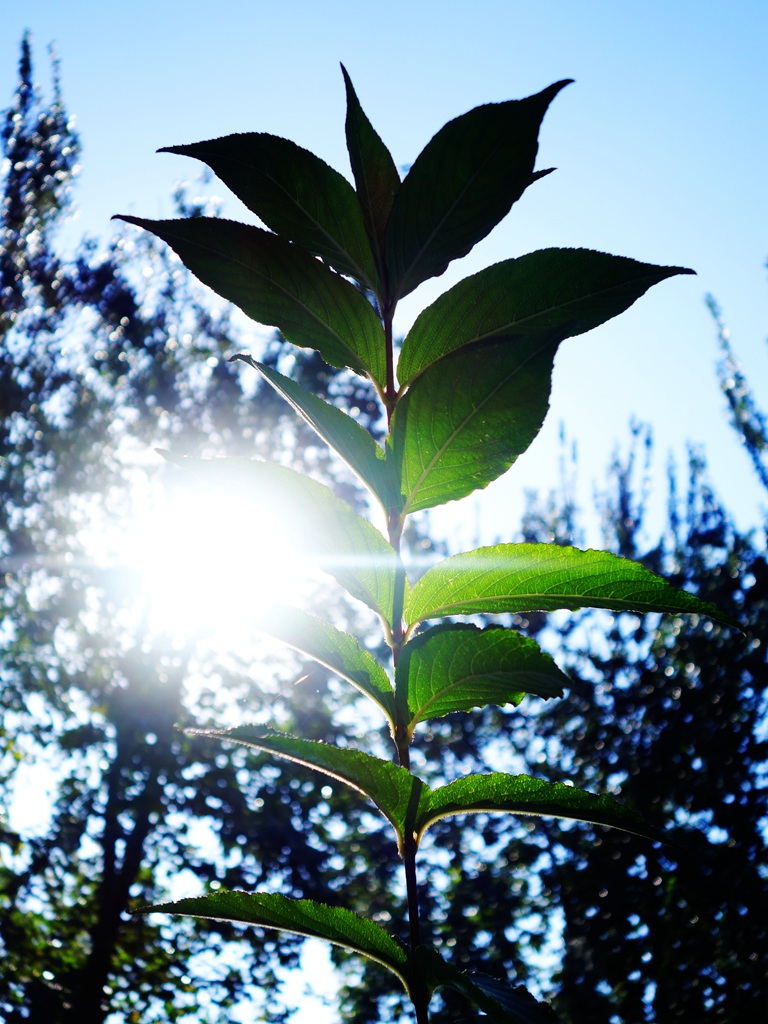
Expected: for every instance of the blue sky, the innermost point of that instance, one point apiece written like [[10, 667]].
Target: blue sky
[[660, 147]]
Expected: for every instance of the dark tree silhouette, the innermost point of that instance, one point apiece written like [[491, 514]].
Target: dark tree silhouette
[[672, 716]]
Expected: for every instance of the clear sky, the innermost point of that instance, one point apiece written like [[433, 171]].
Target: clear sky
[[660, 148]]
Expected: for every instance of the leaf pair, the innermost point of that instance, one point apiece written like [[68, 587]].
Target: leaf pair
[[411, 806], [462, 184], [455, 668], [356, 934], [477, 367]]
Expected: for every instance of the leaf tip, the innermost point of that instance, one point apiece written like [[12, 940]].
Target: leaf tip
[[128, 218], [542, 174], [243, 357], [145, 909], [556, 87], [172, 457], [349, 88]]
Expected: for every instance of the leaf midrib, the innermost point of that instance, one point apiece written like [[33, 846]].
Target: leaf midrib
[[509, 327], [247, 266], [419, 255], [248, 165], [438, 695], [575, 601], [562, 305]]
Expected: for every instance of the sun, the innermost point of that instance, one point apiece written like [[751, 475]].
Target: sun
[[208, 562]]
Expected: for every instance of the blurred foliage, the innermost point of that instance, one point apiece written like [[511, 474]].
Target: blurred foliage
[[672, 716]]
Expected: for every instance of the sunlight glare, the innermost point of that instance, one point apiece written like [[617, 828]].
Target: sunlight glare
[[210, 562]]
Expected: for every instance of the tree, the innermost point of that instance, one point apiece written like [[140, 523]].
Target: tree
[[672, 716], [747, 418]]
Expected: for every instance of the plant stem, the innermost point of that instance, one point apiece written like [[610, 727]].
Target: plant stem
[[412, 890], [391, 391], [419, 994], [402, 739]]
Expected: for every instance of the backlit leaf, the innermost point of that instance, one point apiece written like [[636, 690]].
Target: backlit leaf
[[545, 296], [280, 285], [300, 917], [459, 667], [318, 524], [399, 795], [374, 171], [295, 193], [502, 1003], [338, 651], [461, 185], [524, 795], [544, 577], [514, 1000], [345, 435], [466, 419]]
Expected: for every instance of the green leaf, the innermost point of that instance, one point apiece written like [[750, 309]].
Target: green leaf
[[399, 795], [501, 1002], [467, 418], [524, 795], [545, 296], [461, 185], [459, 667], [295, 193], [411, 807], [300, 917], [544, 577], [319, 524], [280, 285], [374, 171], [517, 1004], [346, 436], [338, 651]]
